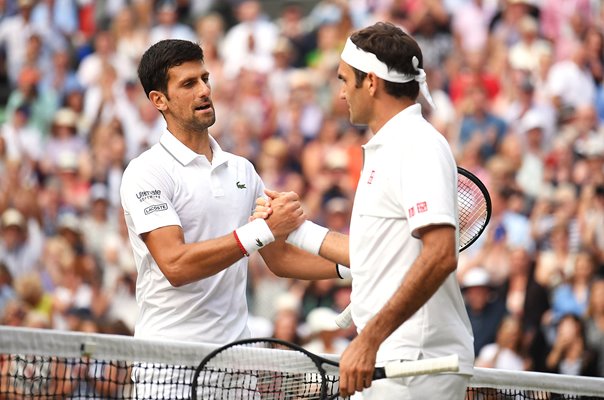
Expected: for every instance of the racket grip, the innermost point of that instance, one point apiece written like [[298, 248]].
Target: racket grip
[[421, 367], [344, 319]]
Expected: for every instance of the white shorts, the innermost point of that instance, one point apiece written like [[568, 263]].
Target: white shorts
[[438, 386]]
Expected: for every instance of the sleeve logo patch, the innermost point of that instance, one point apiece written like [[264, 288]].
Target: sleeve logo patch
[[156, 207], [148, 194], [422, 207]]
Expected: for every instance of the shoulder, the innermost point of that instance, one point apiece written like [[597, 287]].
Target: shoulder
[[150, 162]]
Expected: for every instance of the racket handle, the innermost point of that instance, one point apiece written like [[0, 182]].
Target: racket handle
[[344, 319], [421, 367]]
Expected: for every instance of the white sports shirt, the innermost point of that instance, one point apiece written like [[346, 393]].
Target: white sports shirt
[[409, 180], [169, 184]]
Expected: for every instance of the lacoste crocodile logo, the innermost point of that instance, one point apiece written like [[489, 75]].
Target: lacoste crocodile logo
[[240, 185], [259, 243]]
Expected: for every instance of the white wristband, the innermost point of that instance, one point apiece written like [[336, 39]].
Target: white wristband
[[343, 271], [309, 236], [253, 236]]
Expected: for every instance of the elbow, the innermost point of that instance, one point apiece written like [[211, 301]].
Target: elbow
[[448, 264], [278, 270], [172, 272]]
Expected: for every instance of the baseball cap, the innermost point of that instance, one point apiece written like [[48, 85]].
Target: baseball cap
[[98, 191], [322, 319], [476, 277], [13, 217]]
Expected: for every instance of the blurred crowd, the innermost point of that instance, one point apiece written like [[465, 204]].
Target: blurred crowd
[[518, 87]]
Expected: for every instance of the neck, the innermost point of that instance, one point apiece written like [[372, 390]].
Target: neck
[[199, 142], [385, 109]]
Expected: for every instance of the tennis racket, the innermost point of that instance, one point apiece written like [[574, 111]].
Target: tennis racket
[[474, 209], [266, 368]]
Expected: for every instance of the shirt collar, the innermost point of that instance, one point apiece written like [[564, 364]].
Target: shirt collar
[[394, 125], [185, 155]]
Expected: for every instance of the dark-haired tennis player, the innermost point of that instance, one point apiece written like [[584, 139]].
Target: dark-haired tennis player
[[187, 205], [406, 302]]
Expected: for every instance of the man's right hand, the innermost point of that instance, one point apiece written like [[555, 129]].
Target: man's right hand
[[282, 211]]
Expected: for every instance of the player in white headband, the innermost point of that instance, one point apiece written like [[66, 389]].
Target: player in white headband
[[402, 248], [367, 62]]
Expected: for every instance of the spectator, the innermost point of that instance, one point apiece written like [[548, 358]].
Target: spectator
[[7, 293], [250, 42], [325, 334], [20, 243], [485, 307], [594, 324], [42, 105], [479, 121], [167, 25], [572, 297], [506, 352], [582, 91], [570, 354]]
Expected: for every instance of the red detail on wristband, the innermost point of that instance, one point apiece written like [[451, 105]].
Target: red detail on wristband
[[243, 250]]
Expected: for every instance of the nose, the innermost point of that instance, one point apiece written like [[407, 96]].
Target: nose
[[342, 93], [204, 88]]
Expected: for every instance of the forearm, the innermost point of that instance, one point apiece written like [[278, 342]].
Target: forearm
[[288, 261], [189, 262], [335, 248]]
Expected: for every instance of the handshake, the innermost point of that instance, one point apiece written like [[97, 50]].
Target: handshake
[[280, 216]]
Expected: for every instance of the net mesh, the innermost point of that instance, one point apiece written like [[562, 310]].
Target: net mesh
[[39, 364]]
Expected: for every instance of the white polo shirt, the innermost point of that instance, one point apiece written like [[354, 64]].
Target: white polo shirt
[[409, 180], [169, 184]]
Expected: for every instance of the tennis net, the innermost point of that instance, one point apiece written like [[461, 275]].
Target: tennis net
[[43, 364]]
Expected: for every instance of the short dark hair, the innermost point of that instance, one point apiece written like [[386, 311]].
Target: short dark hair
[[159, 58], [392, 46]]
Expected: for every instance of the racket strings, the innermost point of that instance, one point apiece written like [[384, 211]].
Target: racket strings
[[266, 385], [248, 372], [473, 210]]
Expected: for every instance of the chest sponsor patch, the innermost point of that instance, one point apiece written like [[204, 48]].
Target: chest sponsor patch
[[156, 207], [371, 175]]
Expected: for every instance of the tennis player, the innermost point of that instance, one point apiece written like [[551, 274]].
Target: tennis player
[[406, 302], [187, 205]]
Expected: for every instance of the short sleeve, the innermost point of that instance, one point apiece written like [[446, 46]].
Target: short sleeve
[[428, 181], [146, 195]]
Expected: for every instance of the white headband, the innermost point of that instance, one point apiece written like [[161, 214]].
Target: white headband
[[368, 62]]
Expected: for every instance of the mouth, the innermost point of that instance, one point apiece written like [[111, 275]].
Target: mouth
[[204, 107]]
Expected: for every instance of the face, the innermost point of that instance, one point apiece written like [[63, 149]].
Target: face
[[187, 105], [352, 95]]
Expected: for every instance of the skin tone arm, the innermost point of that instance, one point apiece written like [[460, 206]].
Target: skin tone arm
[[288, 261], [437, 259], [184, 263]]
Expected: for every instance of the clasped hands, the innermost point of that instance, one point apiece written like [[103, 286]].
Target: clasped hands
[[281, 210]]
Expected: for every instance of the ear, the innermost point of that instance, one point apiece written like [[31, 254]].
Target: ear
[[159, 100], [372, 83]]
